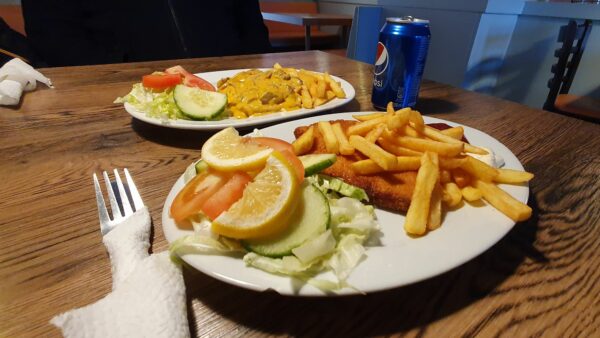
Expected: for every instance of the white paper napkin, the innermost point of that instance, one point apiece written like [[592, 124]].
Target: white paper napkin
[[148, 297], [17, 76]]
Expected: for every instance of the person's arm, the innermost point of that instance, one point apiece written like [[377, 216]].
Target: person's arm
[[253, 31]]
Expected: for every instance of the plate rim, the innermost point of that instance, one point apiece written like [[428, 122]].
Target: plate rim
[[249, 122], [314, 292]]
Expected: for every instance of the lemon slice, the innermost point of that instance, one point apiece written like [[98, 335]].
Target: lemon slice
[[227, 151], [265, 205]]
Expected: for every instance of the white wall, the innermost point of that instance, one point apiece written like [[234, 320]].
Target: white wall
[[500, 47]]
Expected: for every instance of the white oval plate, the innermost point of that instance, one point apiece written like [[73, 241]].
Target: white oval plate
[[213, 78], [399, 259]]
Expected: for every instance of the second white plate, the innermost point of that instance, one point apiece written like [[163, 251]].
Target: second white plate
[[398, 259], [213, 78]]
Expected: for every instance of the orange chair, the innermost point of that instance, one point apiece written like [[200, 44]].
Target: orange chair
[[573, 37]]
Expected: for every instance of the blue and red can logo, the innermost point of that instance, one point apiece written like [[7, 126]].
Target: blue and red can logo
[[381, 60]]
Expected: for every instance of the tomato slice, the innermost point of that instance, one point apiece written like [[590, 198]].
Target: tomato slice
[[286, 150], [226, 196], [196, 192], [161, 81], [190, 79]]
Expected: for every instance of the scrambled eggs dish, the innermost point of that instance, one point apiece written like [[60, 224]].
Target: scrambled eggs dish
[[255, 92]]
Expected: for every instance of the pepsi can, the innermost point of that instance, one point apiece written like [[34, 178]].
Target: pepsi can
[[399, 63]]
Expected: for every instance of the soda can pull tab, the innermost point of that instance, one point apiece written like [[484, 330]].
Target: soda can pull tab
[[407, 19]]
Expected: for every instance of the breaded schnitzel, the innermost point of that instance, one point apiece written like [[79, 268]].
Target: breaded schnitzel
[[388, 190]]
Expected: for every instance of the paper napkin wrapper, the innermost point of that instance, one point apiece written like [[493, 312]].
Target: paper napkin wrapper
[[148, 297], [16, 76]]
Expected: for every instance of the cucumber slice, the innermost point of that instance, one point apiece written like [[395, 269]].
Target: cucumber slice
[[310, 219], [315, 163], [200, 166], [198, 104], [346, 189]]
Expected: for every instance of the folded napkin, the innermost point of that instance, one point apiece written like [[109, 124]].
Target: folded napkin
[[17, 76], [148, 297]]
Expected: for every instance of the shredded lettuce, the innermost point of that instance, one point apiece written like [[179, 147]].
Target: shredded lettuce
[[322, 245], [155, 104]]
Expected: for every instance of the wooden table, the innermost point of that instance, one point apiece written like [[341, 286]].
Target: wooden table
[[541, 279], [311, 19]]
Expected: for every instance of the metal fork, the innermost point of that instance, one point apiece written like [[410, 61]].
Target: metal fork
[[118, 215]]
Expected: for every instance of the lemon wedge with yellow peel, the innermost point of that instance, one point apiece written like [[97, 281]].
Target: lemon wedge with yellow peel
[[228, 151], [266, 204]]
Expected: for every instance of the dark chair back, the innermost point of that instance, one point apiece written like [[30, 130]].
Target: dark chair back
[[573, 37]]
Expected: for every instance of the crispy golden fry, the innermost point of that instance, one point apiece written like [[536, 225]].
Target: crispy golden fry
[[512, 176], [417, 119], [452, 162], [331, 142], [451, 194], [479, 169], [306, 99], [461, 177], [443, 149], [313, 90], [502, 201], [435, 209], [445, 175], [330, 95], [319, 101], [436, 135], [395, 149], [334, 86], [399, 119], [417, 216], [321, 88], [471, 194], [345, 147], [383, 159], [454, 132], [364, 127], [304, 143], [404, 163], [366, 167], [374, 134], [368, 116], [407, 130], [390, 108]]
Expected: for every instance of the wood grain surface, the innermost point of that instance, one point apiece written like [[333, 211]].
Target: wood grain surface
[[542, 279]]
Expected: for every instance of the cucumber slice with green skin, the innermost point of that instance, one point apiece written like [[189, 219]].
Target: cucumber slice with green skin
[[198, 104], [346, 189], [310, 219], [201, 166], [315, 163]]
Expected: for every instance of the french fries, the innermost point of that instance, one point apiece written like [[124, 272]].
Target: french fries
[[331, 142], [451, 194], [345, 147], [502, 201], [512, 176], [255, 92], [471, 194], [399, 141], [417, 216], [454, 132], [479, 169], [383, 159], [420, 144], [304, 143]]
